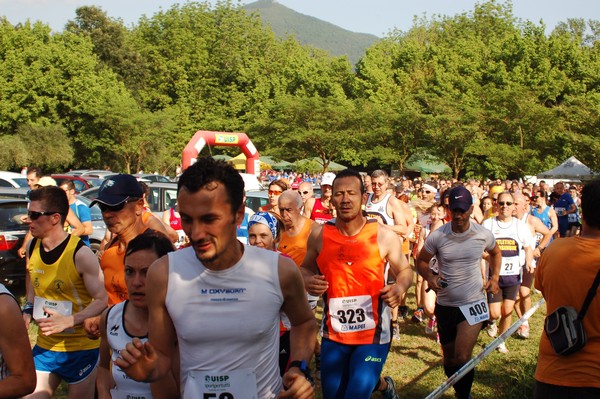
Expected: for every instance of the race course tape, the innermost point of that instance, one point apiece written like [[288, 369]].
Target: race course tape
[[439, 391]]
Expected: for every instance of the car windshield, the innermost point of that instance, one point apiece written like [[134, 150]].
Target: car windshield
[[22, 182], [11, 216]]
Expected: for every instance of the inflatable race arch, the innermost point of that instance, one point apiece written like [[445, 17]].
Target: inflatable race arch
[[203, 137]]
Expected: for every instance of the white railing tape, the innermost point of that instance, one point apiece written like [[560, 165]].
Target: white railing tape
[[439, 391]]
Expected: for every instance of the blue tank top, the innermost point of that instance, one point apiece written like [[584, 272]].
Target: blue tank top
[[544, 216]]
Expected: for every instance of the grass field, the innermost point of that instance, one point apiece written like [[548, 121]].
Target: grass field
[[415, 363]]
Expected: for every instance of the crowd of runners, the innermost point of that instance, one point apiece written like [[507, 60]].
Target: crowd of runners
[[231, 312]]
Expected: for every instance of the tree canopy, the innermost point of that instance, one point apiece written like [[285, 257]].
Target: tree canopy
[[482, 91]]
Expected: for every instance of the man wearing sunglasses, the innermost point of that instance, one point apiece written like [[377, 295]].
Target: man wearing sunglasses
[[306, 191], [461, 306], [515, 241], [65, 288], [120, 200], [541, 238]]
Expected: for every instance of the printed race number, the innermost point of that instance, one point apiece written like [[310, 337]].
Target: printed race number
[[475, 312], [352, 313], [235, 384]]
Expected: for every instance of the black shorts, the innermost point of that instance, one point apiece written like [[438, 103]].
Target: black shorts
[[573, 224], [448, 317], [543, 391], [527, 278], [509, 293]]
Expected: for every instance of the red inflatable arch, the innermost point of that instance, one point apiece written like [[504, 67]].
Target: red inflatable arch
[[203, 137]]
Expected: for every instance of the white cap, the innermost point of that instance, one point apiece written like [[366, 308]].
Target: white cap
[[46, 181], [327, 179]]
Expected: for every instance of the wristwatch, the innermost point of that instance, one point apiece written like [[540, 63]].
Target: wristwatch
[[303, 367]]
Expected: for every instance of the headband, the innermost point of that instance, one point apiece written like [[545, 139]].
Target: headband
[[264, 218], [429, 187]]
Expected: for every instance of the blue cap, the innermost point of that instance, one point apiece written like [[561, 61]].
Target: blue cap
[[117, 189]]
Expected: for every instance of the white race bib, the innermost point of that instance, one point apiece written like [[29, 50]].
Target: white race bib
[[237, 384], [351, 313], [510, 266], [65, 308], [114, 394], [476, 312]]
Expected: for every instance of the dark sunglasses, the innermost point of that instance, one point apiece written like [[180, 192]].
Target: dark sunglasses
[[113, 208], [502, 203], [33, 215], [427, 192], [304, 192]]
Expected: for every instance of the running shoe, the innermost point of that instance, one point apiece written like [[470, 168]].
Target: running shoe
[[492, 329], [390, 391], [523, 331], [403, 310], [430, 327], [502, 348], [396, 331], [418, 316]]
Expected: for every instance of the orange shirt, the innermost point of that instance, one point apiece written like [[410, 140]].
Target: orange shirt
[[355, 271], [564, 274], [113, 267], [295, 247]]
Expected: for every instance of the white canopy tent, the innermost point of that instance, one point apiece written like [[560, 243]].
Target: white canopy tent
[[571, 169]]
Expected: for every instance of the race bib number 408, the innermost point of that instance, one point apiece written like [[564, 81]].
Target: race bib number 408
[[475, 312], [352, 313]]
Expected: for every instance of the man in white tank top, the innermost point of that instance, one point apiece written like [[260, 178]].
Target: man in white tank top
[[221, 301]]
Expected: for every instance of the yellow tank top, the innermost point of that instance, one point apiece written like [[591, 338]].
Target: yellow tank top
[[60, 281]]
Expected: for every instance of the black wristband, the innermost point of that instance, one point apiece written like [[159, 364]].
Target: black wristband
[[27, 309]]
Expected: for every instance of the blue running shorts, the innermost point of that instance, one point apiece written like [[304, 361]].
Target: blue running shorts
[[72, 367]]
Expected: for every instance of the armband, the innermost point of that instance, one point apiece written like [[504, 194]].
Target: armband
[[27, 308]]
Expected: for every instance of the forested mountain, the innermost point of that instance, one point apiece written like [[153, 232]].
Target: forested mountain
[[312, 31], [487, 94]]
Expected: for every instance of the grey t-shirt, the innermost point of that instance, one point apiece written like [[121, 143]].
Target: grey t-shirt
[[459, 258]]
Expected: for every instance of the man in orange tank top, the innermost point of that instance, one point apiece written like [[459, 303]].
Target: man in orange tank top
[[121, 201], [346, 263]]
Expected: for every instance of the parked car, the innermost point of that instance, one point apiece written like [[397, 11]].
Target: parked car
[[256, 198], [10, 192], [152, 178], [97, 223], [161, 197], [76, 172], [90, 193], [80, 183], [101, 174], [12, 179], [93, 181], [12, 233]]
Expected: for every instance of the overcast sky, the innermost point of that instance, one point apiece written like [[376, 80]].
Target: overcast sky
[[370, 16]]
